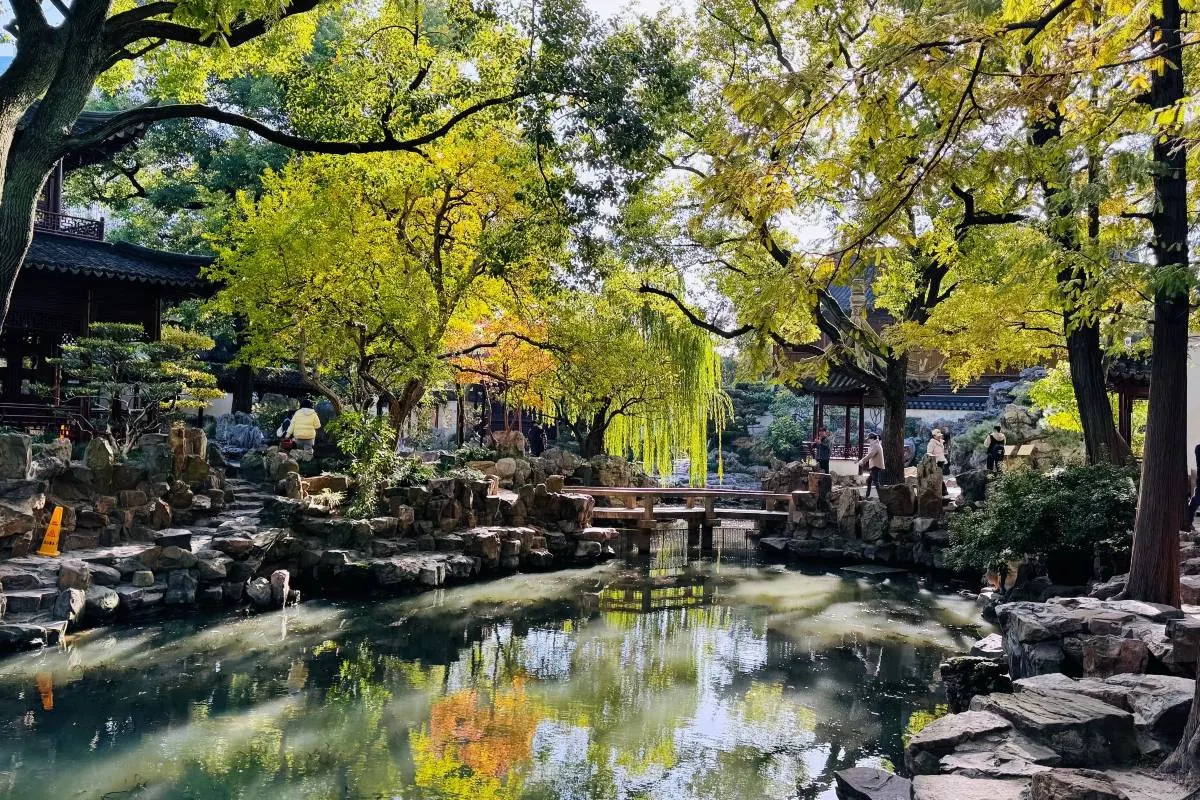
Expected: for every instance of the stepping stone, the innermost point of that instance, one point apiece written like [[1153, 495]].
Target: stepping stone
[[177, 537], [865, 783], [956, 787], [30, 600]]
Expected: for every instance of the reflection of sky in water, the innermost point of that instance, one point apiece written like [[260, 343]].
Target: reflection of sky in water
[[740, 684]]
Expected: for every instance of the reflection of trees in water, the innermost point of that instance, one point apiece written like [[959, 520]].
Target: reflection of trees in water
[[549, 699]]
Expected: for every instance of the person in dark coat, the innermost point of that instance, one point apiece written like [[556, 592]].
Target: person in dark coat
[[821, 451], [537, 440]]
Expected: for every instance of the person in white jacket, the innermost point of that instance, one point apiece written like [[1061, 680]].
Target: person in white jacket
[[936, 449], [873, 461]]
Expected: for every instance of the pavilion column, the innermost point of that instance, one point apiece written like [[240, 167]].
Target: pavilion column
[[818, 417], [861, 428], [1125, 414], [847, 439]]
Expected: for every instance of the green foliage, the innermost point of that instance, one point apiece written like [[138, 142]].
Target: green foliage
[[1055, 396], [920, 719], [370, 443], [140, 383], [1068, 512], [270, 416], [472, 451], [412, 471]]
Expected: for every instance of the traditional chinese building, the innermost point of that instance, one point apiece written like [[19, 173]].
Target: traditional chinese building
[[72, 278]]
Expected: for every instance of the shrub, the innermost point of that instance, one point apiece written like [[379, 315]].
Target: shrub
[[1065, 514], [473, 451], [412, 471], [369, 441]]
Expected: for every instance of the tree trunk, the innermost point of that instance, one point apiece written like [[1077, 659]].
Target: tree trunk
[[1104, 444], [895, 414], [460, 422], [401, 406], [592, 443], [1154, 567]]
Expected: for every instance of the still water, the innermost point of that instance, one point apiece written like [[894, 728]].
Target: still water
[[666, 680]]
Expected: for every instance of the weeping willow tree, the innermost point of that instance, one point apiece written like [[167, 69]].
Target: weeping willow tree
[[627, 376]]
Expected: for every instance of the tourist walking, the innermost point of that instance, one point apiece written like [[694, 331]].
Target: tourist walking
[[873, 461], [936, 449], [303, 429], [995, 449], [821, 450]]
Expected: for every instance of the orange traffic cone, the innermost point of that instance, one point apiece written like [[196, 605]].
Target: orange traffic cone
[[50, 540]]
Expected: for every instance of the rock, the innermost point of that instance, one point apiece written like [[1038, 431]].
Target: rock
[[132, 498], [1189, 589], [395, 571], [21, 503], [383, 527], [15, 637], [104, 575], [899, 499], [253, 469], [1081, 729], [555, 483], [127, 477], [1160, 704], [176, 558], [957, 787], [968, 676], [990, 646], [101, 458], [1108, 655], [973, 484], [586, 550], [873, 520], [74, 574], [259, 592], [160, 514], [177, 537], [327, 482], [181, 587], [865, 783], [100, 603], [280, 580], [16, 456], [1071, 784], [154, 450], [929, 489], [143, 578], [939, 738], [213, 568], [70, 605], [290, 486]]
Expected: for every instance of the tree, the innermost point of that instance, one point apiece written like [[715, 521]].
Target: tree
[[421, 72], [625, 374], [365, 272], [141, 383]]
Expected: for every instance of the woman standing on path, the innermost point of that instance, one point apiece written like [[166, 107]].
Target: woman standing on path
[[936, 449]]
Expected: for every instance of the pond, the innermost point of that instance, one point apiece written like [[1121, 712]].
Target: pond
[[665, 680]]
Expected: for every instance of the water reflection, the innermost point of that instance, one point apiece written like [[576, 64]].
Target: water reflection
[[675, 679]]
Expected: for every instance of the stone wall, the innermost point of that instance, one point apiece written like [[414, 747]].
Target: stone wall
[[906, 526], [105, 500]]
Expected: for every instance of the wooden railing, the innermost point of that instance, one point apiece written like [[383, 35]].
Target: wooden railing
[[644, 506], [68, 225]]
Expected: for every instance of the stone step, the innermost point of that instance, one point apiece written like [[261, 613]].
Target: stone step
[[26, 601]]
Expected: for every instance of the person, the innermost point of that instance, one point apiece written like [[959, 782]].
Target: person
[[936, 449], [281, 431], [821, 450], [303, 429], [995, 449], [537, 440], [873, 461], [1189, 521]]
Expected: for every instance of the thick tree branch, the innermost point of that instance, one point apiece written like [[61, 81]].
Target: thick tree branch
[[496, 343], [138, 24], [147, 115], [694, 318], [776, 45]]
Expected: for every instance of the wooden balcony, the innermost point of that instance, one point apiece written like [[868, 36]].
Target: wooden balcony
[[67, 225]]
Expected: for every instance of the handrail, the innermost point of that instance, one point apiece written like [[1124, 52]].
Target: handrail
[[69, 225], [633, 491]]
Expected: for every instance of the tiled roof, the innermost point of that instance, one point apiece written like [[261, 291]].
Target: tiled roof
[[950, 402], [1129, 369], [116, 260]]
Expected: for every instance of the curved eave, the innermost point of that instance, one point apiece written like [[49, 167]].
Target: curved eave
[[194, 284]]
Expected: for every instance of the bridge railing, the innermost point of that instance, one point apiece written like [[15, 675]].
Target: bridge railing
[[698, 502]]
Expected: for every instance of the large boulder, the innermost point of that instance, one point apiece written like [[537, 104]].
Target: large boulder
[[873, 520], [899, 499], [929, 489], [21, 503], [101, 458], [154, 453], [973, 484], [16, 456], [958, 787], [845, 509], [1084, 731], [70, 605], [100, 603]]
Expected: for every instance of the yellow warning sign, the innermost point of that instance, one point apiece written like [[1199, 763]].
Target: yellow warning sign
[[50, 540]]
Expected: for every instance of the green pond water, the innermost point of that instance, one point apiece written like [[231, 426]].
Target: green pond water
[[685, 680]]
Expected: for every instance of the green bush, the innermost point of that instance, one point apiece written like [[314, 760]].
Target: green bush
[[1064, 515], [412, 471], [473, 451], [370, 442]]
